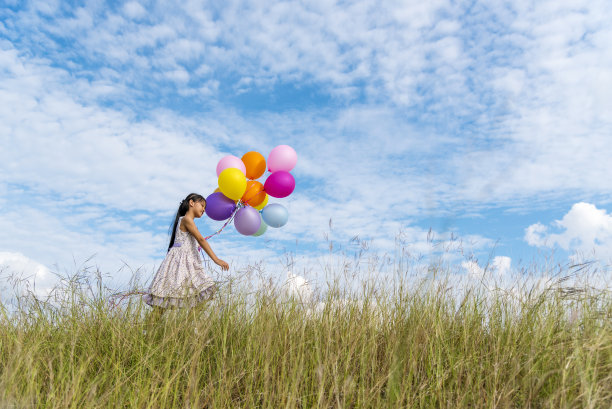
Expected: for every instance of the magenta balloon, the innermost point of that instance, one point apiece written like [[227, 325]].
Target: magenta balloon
[[230, 161], [279, 184], [219, 207], [283, 157], [247, 221]]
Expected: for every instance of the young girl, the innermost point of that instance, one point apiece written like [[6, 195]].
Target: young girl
[[180, 280]]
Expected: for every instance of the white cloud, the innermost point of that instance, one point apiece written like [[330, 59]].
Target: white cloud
[[535, 234], [585, 229], [134, 10], [19, 275], [502, 265], [499, 269], [297, 286], [498, 278], [179, 75]]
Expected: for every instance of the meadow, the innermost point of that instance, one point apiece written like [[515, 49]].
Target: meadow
[[415, 345]]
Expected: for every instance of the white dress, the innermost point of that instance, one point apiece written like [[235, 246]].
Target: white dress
[[180, 280]]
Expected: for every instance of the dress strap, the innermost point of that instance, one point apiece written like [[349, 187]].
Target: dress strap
[[178, 225], [177, 242]]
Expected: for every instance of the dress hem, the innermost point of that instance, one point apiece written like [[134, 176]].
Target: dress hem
[[180, 302]]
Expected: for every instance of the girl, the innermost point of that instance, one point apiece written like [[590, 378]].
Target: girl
[[180, 280]]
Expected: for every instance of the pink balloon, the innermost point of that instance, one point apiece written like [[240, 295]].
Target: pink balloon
[[283, 157], [230, 161], [279, 184]]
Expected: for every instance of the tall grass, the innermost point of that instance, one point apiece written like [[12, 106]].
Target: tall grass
[[417, 346]]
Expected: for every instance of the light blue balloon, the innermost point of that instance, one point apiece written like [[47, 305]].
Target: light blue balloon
[[275, 215], [262, 229]]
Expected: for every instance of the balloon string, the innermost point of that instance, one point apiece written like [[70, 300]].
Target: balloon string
[[112, 299], [238, 206]]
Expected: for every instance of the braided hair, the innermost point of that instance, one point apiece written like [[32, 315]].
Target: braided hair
[[182, 211]]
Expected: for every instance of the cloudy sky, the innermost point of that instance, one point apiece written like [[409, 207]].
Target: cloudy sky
[[487, 121]]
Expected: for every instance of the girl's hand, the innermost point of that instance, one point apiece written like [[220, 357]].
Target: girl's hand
[[222, 264]]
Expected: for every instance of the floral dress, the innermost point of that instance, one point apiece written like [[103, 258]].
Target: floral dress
[[180, 280]]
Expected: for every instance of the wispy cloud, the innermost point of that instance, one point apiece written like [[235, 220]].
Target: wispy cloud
[[554, 135], [112, 112], [350, 50], [100, 172]]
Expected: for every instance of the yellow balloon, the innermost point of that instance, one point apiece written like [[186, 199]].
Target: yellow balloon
[[262, 204], [219, 190], [232, 183]]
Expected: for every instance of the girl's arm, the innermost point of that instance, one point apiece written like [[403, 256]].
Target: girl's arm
[[193, 229]]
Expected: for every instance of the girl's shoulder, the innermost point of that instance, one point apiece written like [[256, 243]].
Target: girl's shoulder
[[185, 222]]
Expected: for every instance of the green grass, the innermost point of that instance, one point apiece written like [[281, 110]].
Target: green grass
[[420, 347]]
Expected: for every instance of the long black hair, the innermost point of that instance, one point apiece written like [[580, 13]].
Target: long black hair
[[182, 211]]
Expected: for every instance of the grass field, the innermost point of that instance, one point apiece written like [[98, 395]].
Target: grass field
[[419, 346]]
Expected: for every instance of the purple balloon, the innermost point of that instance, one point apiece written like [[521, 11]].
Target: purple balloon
[[279, 184], [247, 221], [219, 206]]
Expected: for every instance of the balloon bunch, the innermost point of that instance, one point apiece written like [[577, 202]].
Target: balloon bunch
[[242, 197]]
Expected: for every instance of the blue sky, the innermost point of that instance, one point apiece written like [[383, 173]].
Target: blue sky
[[487, 121]]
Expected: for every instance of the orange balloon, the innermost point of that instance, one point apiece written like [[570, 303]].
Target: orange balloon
[[255, 164], [262, 204], [254, 194]]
